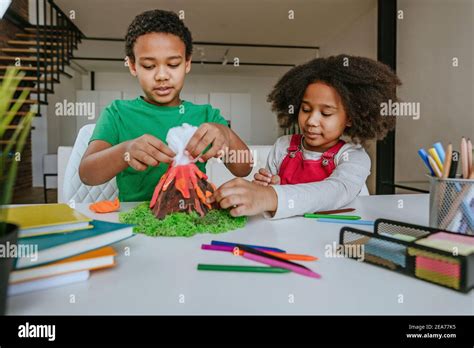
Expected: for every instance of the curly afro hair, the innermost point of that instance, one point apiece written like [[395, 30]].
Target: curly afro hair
[[362, 83], [157, 21]]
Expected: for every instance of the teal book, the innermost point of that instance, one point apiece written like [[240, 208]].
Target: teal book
[[35, 251]]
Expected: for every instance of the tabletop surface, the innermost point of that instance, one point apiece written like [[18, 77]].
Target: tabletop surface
[[157, 275]]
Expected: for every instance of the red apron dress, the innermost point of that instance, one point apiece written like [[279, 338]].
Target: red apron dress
[[296, 170]]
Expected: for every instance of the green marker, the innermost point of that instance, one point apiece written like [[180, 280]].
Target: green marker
[[331, 216], [235, 268]]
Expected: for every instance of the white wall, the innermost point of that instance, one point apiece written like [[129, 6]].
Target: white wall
[[430, 34], [62, 129], [264, 127], [52, 130], [359, 39]]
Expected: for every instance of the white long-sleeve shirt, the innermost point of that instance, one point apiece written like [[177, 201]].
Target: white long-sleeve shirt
[[341, 187]]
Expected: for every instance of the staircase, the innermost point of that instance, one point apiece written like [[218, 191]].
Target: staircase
[[41, 51]]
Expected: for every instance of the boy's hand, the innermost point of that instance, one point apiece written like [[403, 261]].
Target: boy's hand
[[147, 151], [209, 133], [265, 178], [245, 198]]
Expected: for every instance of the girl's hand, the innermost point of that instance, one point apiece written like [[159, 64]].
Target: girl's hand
[[209, 133], [265, 178], [145, 151], [245, 198]]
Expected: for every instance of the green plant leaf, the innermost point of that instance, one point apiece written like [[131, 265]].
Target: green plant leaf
[[8, 169]]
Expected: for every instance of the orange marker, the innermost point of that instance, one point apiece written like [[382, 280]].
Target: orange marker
[[292, 256]]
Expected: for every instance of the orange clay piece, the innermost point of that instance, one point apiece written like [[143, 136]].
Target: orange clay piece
[[202, 197], [105, 206]]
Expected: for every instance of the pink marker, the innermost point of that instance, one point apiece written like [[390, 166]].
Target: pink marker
[[217, 247], [280, 264]]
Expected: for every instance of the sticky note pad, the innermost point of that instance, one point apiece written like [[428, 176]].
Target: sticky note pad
[[400, 236], [386, 250], [380, 261], [466, 240], [441, 267], [447, 245], [452, 282], [434, 256]]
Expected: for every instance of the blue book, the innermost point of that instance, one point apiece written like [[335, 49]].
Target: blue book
[[44, 249]]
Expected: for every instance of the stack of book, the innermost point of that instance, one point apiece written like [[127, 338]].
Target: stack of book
[[58, 245]]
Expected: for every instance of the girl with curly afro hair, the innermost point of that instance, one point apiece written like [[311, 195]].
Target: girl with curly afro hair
[[329, 99]]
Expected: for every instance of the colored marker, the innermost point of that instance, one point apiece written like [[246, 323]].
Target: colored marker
[[434, 166], [435, 156], [223, 248], [268, 256], [440, 150], [216, 242], [285, 256], [454, 164], [235, 268], [297, 257], [464, 159], [279, 264], [353, 222], [337, 211], [447, 162], [328, 216], [424, 156], [469, 155]]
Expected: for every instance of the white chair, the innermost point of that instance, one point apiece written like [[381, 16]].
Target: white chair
[[70, 186], [64, 153]]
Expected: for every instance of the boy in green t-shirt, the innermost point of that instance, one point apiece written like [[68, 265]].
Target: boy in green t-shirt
[[129, 139]]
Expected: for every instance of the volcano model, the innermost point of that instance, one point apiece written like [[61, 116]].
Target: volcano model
[[182, 188]]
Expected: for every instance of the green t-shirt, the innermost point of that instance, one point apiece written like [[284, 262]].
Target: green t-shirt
[[125, 120]]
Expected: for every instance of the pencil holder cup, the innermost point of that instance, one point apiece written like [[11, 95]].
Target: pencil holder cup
[[452, 205]]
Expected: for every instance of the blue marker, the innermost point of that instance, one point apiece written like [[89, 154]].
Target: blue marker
[[440, 150], [424, 156], [216, 242], [347, 222]]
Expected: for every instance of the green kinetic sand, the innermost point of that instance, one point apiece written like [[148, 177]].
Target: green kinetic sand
[[180, 224]]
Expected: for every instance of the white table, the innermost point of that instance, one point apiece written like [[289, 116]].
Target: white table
[[160, 276]]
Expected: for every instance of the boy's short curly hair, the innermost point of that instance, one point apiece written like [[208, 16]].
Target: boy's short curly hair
[[362, 83], [157, 21]]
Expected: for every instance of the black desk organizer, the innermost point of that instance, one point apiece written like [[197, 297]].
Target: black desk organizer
[[405, 261]]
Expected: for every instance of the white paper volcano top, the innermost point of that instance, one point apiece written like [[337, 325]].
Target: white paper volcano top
[[177, 139]]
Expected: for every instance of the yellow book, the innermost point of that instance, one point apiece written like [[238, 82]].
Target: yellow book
[[35, 220]]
